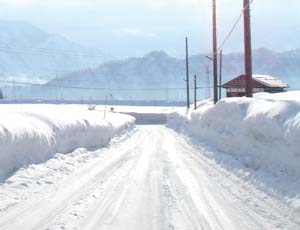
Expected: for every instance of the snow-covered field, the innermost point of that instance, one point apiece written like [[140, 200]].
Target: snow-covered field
[[146, 115], [31, 134]]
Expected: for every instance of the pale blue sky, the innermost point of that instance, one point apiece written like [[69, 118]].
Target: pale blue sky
[[135, 27]]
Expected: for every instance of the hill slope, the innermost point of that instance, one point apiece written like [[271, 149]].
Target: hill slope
[[27, 52], [159, 71]]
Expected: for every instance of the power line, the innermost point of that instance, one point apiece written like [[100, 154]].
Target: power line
[[49, 52], [234, 26], [91, 88]]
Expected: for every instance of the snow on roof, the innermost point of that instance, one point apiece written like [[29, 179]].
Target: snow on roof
[[270, 81]]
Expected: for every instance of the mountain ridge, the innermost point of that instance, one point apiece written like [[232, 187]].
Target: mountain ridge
[[159, 70], [27, 53]]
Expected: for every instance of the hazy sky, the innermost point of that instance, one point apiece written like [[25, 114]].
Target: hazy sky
[[134, 27]]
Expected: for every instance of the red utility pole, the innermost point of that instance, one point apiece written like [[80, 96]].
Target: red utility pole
[[215, 53], [248, 49]]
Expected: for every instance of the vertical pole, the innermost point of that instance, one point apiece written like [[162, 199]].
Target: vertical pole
[[14, 92], [187, 73], [248, 49], [207, 85], [105, 107], [195, 92], [220, 74], [215, 54]]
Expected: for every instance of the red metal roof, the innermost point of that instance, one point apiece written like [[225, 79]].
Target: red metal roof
[[240, 82]]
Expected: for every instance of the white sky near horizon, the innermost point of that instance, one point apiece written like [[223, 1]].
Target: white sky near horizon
[[134, 27]]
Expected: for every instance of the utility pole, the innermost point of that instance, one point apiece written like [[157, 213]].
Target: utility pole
[[248, 49], [207, 82], [220, 74], [215, 54], [104, 115], [195, 91], [187, 73], [14, 92]]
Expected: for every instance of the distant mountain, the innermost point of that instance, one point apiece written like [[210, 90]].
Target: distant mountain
[[159, 76], [29, 53], [284, 65], [157, 70]]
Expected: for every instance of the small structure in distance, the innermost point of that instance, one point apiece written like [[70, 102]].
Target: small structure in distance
[[260, 83], [92, 107]]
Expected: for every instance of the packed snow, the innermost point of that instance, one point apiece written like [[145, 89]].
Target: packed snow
[[151, 178], [31, 134], [263, 132]]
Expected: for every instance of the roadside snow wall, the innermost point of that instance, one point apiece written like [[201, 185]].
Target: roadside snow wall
[[31, 134], [262, 132]]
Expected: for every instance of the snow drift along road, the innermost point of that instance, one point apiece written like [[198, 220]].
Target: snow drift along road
[[34, 133], [153, 180], [262, 132]]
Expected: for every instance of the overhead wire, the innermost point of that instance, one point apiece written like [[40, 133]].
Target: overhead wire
[[49, 52], [91, 88], [234, 26]]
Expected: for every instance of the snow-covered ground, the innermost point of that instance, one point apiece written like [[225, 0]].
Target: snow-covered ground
[[152, 178], [31, 134], [147, 114], [262, 132], [144, 109]]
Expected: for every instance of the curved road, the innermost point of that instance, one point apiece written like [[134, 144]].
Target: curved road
[[152, 180]]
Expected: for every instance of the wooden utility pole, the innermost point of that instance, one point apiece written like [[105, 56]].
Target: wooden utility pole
[[195, 91], [220, 75], [248, 49], [215, 54], [187, 73]]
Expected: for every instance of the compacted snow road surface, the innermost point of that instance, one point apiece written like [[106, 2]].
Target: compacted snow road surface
[[153, 179]]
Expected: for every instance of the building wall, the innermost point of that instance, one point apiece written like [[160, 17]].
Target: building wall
[[240, 92]]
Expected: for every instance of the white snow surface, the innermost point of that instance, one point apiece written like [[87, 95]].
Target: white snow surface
[[263, 132], [31, 134], [151, 178]]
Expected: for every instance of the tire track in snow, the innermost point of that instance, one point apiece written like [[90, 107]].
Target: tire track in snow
[[47, 206], [131, 204], [253, 210], [153, 180]]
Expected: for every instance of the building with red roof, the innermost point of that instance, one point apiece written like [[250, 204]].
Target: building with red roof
[[260, 83]]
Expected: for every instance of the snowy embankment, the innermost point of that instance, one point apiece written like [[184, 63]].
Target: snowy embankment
[[263, 132], [31, 134]]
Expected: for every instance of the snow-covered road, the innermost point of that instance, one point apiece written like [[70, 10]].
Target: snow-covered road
[[153, 179]]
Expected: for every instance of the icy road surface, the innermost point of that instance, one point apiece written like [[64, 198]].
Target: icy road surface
[[153, 179]]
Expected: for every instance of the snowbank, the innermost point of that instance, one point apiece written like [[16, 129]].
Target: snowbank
[[262, 132], [146, 115], [32, 134]]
